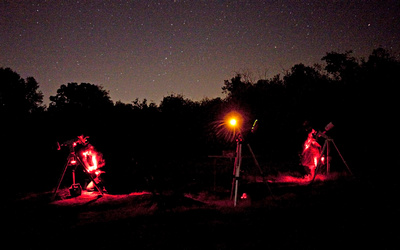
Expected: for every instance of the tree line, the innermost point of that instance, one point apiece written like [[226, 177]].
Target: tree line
[[140, 140]]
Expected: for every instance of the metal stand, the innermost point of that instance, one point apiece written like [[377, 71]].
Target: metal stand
[[74, 161], [236, 169], [326, 149]]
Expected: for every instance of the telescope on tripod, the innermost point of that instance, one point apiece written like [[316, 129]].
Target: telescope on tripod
[[240, 140], [75, 160], [326, 151]]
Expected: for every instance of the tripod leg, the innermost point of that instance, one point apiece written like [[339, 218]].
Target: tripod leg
[[90, 176], [342, 157], [259, 168], [233, 186], [255, 160], [234, 175], [61, 178], [236, 172], [236, 191], [327, 158], [319, 162]]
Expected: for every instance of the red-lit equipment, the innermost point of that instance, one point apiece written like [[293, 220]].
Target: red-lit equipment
[[325, 152], [87, 158], [234, 120]]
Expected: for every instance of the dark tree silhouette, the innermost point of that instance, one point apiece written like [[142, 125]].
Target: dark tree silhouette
[[342, 66], [144, 105], [20, 128], [80, 109], [80, 97], [178, 125], [167, 142], [236, 89], [308, 92], [19, 96]]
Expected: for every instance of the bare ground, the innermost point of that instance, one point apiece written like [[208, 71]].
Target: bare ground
[[338, 213]]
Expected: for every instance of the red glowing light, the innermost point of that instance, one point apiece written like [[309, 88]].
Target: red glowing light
[[315, 161], [92, 160], [323, 159], [299, 180], [311, 152]]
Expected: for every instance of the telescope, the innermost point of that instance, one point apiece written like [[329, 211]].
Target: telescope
[[328, 127], [326, 149], [73, 142], [74, 159]]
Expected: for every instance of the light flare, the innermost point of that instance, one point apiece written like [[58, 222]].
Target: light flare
[[92, 160], [233, 122], [311, 153], [315, 161], [230, 126]]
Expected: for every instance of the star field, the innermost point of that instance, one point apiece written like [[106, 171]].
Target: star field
[[151, 49]]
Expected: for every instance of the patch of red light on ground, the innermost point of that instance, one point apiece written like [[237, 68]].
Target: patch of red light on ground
[[91, 197], [299, 180]]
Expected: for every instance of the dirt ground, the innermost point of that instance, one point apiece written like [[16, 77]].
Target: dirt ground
[[335, 213]]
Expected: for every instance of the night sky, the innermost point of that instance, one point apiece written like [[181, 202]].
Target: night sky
[[151, 49]]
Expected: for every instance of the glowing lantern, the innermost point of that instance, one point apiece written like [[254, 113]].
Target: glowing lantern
[[229, 127], [233, 122]]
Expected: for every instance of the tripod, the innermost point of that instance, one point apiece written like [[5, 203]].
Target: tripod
[[326, 149], [236, 169], [74, 160]]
